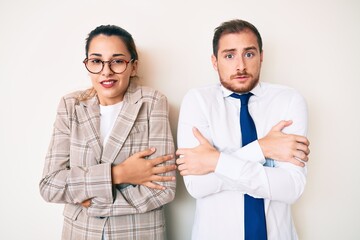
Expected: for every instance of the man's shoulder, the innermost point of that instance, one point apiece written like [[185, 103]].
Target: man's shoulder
[[206, 91], [280, 94], [275, 86], [276, 89]]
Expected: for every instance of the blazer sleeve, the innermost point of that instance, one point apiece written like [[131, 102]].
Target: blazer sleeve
[[138, 198], [61, 183]]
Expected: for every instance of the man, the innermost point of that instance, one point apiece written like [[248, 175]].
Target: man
[[237, 196]]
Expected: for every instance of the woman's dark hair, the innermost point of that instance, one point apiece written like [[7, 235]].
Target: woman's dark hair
[[234, 26], [112, 30]]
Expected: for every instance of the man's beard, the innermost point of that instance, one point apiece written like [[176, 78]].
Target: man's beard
[[243, 89]]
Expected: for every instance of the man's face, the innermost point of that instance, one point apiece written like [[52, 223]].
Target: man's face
[[239, 61]]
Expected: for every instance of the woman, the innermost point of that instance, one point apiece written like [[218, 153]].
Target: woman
[[111, 159]]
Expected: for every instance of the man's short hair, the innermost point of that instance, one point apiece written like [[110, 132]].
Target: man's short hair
[[234, 26]]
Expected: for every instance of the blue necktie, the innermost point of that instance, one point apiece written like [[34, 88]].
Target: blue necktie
[[254, 213]]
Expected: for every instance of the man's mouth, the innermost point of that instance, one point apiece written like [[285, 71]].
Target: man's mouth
[[240, 76]]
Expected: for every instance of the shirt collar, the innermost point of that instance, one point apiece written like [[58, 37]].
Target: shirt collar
[[256, 91]]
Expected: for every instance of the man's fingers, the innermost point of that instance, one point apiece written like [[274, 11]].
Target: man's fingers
[[180, 151], [281, 125], [199, 136], [303, 148], [184, 172], [180, 161], [301, 156], [182, 167], [302, 139], [297, 162]]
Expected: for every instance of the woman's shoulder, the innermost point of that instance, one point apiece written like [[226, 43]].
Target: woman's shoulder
[[72, 96], [70, 100], [147, 93]]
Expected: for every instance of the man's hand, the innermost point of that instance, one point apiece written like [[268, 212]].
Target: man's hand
[[199, 160], [140, 171], [285, 147]]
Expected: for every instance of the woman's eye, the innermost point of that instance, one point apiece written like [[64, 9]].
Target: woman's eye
[[117, 61], [95, 61]]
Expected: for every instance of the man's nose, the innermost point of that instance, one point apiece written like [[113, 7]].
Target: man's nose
[[240, 64]]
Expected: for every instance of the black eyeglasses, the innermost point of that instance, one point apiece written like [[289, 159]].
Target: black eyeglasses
[[95, 65]]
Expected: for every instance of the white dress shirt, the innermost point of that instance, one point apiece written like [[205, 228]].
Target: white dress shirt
[[108, 115], [220, 195]]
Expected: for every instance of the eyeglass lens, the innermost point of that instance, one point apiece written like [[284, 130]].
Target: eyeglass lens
[[116, 65]]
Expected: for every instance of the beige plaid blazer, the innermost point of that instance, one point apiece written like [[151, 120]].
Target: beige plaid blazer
[[78, 167]]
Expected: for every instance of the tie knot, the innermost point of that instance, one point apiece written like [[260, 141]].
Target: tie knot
[[244, 98]]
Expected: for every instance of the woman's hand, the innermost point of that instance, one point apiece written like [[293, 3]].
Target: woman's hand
[[86, 203], [140, 171]]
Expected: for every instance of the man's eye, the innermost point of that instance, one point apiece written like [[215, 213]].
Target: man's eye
[[249, 54], [229, 56]]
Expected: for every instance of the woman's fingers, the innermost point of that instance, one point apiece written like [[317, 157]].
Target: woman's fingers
[[154, 186], [161, 159], [164, 169], [145, 153]]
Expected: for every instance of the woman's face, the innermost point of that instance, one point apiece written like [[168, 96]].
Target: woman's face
[[110, 86]]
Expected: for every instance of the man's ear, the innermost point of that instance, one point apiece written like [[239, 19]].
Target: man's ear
[[214, 62]]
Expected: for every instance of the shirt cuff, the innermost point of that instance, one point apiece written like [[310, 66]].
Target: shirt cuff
[[229, 164]]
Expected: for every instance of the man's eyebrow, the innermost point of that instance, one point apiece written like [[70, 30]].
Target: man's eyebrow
[[228, 50], [250, 48]]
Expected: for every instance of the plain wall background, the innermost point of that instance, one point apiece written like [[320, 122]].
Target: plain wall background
[[310, 45]]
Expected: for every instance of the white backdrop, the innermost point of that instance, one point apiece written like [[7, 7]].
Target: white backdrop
[[310, 45]]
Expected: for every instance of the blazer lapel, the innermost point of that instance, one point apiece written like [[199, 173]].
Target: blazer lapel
[[123, 123], [88, 115]]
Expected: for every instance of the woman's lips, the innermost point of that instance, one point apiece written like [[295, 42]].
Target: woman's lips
[[108, 83]]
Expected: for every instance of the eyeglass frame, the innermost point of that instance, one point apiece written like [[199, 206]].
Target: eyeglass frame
[[103, 65]]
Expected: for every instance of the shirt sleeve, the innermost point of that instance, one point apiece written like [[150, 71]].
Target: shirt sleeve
[[285, 182], [192, 115], [242, 170]]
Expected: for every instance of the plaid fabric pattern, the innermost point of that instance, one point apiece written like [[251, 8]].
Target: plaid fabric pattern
[[78, 167]]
